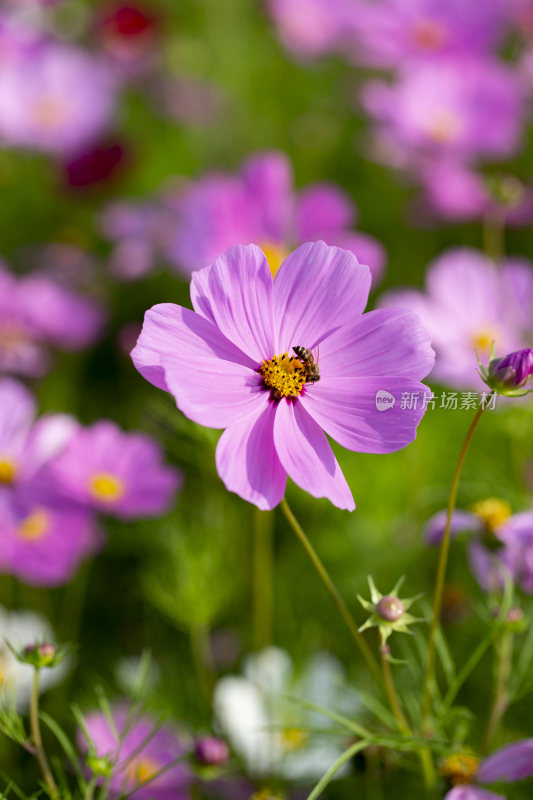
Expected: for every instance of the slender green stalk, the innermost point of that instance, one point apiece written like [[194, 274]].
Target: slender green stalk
[[263, 572], [202, 658], [441, 569], [37, 741], [333, 592], [494, 236], [403, 725], [501, 693]]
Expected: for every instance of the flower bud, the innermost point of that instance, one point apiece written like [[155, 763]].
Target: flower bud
[[510, 373], [390, 608], [39, 655], [211, 752], [100, 766]]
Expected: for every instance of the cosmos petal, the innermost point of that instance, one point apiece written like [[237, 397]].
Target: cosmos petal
[[508, 764]]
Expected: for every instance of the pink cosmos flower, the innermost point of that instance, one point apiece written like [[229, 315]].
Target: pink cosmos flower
[[43, 538], [137, 230], [55, 98], [310, 28], [36, 312], [138, 750], [387, 33], [500, 543], [507, 765], [466, 109], [468, 304], [119, 473], [231, 364], [260, 205]]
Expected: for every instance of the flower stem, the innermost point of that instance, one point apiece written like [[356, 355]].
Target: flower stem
[[333, 592], [494, 236], [202, 658], [390, 688], [429, 676], [36, 737], [501, 695], [263, 589]]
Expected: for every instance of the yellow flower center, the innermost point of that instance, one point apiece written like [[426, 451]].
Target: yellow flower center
[[483, 339], [294, 738], [443, 126], [459, 768], [493, 511], [8, 471], [267, 794], [142, 770], [49, 112], [35, 525], [106, 487], [429, 34], [275, 255], [284, 375]]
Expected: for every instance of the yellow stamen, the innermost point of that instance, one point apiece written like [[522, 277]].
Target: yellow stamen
[[483, 339], [275, 255], [49, 112], [106, 487], [267, 794], [493, 511], [142, 770], [443, 126], [8, 471], [294, 738], [429, 34], [284, 375], [459, 768], [35, 525]]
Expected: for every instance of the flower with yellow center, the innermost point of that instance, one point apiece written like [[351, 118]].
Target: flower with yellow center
[[142, 770], [444, 126], [8, 471], [35, 525], [49, 112], [428, 34], [284, 375], [294, 738], [459, 768], [483, 339], [493, 511], [275, 255], [106, 488]]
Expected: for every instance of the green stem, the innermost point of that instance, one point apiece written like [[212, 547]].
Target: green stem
[[429, 676], [390, 688], [333, 592], [37, 739], [202, 658], [501, 693], [263, 588], [494, 236]]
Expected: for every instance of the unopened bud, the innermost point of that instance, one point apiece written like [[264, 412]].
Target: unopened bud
[[211, 752], [390, 608]]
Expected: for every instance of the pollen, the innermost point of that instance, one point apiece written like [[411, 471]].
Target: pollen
[[142, 770], [106, 487], [49, 112], [444, 126], [294, 738], [459, 768], [493, 511], [275, 255], [34, 526], [483, 339], [284, 376], [429, 34], [7, 471]]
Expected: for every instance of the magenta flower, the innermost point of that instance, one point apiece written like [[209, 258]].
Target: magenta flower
[[37, 312], [55, 98], [507, 765], [260, 205], [387, 33], [231, 364], [510, 373], [119, 473], [310, 28], [138, 232], [468, 304], [465, 109], [500, 543], [138, 753]]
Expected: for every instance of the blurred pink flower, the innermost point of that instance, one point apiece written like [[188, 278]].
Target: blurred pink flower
[[466, 109], [231, 364], [138, 749], [36, 313], [507, 765], [260, 205], [117, 472], [55, 98], [311, 28], [468, 304]]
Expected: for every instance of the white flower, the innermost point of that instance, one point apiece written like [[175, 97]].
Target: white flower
[[267, 726], [21, 628]]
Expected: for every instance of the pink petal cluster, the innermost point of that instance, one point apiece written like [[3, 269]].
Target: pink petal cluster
[[215, 362], [468, 304], [38, 313], [138, 749], [48, 491]]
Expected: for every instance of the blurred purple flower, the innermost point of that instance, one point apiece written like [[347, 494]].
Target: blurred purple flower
[[511, 371], [260, 205], [119, 473], [507, 765], [138, 750], [500, 545], [469, 303], [230, 364], [128, 31], [55, 98], [37, 312], [310, 28], [388, 33], [137, 231], [466, 109]]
